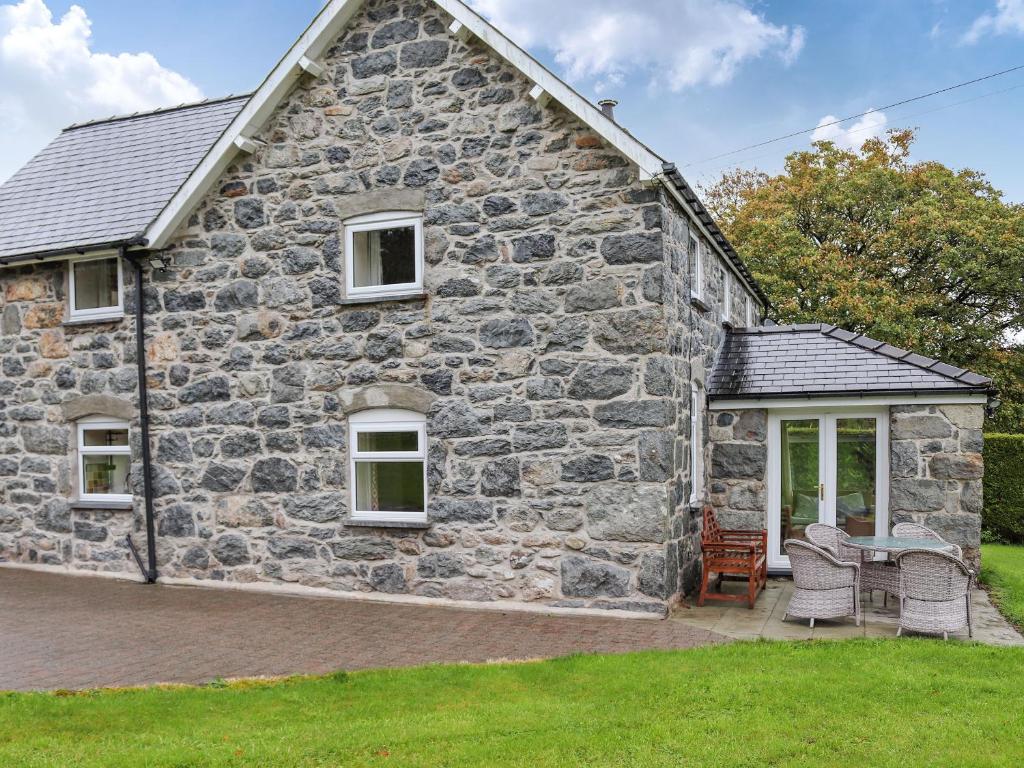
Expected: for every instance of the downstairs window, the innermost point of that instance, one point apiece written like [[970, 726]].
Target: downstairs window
[[388, 457]]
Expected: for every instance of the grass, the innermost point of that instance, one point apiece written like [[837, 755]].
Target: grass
[[864, 702], [1002, 571]]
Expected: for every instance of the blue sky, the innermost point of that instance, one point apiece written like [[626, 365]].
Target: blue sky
[[695, 78]]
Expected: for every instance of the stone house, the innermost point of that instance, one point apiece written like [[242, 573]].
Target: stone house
[[421, 321]]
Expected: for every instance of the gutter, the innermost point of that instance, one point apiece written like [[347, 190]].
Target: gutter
[[150, 572], [121, 245]]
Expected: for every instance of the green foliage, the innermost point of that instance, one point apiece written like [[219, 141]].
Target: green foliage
[[742, 704], [1003, 518], [1002, 571], [916, 254]]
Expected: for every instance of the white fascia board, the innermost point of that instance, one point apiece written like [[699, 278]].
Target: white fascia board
[[648, 162], [819, 403], [320, 33]]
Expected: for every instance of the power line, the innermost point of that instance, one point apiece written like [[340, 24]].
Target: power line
[[854, 117], [899, 118]]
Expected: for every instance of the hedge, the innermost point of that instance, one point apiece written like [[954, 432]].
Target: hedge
[[1003, 517]]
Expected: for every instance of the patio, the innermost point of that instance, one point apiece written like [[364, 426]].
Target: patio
[[765, 620]]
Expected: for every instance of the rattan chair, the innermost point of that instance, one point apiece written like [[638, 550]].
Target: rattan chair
[[874, 574], [824, 586], [916, 531], [935, 593]]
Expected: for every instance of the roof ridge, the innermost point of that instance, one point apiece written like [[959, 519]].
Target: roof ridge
[[923, 362], [158, 111]]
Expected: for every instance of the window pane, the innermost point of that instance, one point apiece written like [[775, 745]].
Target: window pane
[[389, 486], [96, 284], [105, 437], [384, 257], [800, 479], [856, 455], [373, 442], [106, 474]]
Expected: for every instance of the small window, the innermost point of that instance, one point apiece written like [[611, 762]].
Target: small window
[[383, 255], [696, 447], [727, 297], [751, 312], [388, 456], [96, 289], [696, 249], [104, 460]]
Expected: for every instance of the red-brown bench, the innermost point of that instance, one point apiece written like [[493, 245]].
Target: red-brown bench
[[732, 553]]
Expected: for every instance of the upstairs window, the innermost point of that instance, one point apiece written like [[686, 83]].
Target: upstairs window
[[751, 312], [388, 455], [96, 289], [104, 460], [383, 255], [696, 251]]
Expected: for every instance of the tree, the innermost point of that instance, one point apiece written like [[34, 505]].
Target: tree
[[913, 253]]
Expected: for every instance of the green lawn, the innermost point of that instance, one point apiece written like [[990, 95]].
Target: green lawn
[[1002, 571], [865, 703]]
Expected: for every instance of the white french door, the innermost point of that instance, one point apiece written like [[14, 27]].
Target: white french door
[[829, 467]]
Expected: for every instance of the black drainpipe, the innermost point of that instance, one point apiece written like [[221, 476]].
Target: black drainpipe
[[147, 459]]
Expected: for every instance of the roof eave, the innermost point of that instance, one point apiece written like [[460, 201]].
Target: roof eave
[[137, 241]]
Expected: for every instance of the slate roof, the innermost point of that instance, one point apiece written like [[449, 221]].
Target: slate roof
[[104, 182], [818, 360]]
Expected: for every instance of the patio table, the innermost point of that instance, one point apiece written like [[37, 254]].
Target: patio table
[[893, 544]]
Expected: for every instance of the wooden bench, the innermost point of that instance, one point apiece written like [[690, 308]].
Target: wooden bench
[[732, 553]]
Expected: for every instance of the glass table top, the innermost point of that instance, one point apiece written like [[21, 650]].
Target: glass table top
[[895, 543]]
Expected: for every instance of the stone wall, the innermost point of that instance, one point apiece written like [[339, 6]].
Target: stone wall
[[739, 463], [937, 468], [46, 365], [552, 351]]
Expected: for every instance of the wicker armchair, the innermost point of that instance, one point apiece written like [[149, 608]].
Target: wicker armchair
[[915, 531], [874, 574], [824, 586], [935, 593]]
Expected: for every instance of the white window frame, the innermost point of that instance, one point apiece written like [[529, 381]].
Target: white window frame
[[370, 223], [386, 420], [696, 447], [727, 297], [100, 313], [697, 288], [101, 423]]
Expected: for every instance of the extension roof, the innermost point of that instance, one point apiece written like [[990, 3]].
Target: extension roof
[[104, 182], [111, 196], [818, 360]]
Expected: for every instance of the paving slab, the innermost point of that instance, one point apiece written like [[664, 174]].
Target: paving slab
[[880, 618], [76, 632]]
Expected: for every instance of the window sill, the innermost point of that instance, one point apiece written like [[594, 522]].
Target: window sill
[[95, 320], [108, 506], [400, 524], [411, 296], [699, 302]]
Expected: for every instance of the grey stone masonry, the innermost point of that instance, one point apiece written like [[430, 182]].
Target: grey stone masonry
[[551, 351], [935, 469]]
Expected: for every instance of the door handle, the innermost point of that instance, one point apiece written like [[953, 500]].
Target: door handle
[[821, 491]]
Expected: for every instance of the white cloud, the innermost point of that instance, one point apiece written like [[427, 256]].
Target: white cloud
[[50, 77], [871, 125], [677, 44], [1007, 18]]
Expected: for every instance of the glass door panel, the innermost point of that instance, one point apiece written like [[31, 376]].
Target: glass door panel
[[856, 463], [800, 483]]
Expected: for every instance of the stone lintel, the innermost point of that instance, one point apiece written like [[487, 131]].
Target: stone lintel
[[382, 200], [97, 405], [386, 396]]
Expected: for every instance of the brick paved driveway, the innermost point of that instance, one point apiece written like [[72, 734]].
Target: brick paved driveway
[[74, 632]]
